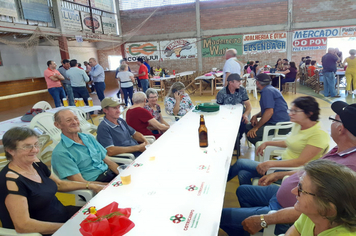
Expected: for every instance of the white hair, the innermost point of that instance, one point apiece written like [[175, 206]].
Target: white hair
[[139, 97]]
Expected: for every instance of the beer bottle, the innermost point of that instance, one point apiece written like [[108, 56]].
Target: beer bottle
[[203, 133]]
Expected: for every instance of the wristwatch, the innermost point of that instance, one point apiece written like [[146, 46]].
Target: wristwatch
[[263, 222]]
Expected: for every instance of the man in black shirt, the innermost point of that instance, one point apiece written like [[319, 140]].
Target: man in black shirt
[[329, 68]]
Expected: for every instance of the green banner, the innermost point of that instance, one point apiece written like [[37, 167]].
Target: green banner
[[217, 46]]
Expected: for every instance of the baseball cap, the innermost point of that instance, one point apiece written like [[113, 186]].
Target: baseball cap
[[233, 77], [347, 114], [263, 77], [110, 102]]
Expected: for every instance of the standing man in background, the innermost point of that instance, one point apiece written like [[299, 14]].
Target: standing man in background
[[98, 75], [66, 82], [53, 79], [142, 74], [329, 68], [232, 65], [90, 84], [78, 79], [147, 65]]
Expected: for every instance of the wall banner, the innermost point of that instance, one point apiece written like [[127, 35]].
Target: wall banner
[[145, 49], [217, 46], [105, 5], [348, 31], [37, 10], [275, 42], [109, 25], [8, 8], [178, 49], [71, 20], [86, 20], [313, 39]]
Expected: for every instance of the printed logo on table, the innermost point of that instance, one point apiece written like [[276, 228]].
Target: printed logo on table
[[191, 188], [86, 211], [202, 167], [117, 184], [177, 218], [138, 165]]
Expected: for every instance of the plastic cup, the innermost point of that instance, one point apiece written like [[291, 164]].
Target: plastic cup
[[90, 101], [125, 175], [76, 101], [65, 102], [81, 102]]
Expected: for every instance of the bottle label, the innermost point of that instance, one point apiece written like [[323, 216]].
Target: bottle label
[[203, 139]]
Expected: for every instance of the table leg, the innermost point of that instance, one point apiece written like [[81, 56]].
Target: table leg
[[200, 86], [212, 87], [279, 83], [338, 85]]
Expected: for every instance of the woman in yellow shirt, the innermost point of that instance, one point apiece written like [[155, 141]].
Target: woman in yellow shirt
[[350, 72]]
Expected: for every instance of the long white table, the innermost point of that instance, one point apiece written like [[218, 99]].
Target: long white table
[[175, 178], [17, 122]]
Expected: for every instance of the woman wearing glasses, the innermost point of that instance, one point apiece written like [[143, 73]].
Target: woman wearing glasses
[[27, 188], [153, 107], [326, 198], [306, 142]]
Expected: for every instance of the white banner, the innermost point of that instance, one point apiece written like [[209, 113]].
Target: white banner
[[313, 39], [178, 49], [109, 25], [348, 31], [8, 8], [86, 20], [145, 49], [105, 5], [273, 42], [71, 20]]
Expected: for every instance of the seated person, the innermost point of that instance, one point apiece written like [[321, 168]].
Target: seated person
[[140, 119], [306, 142], [250, 66], [256, 70], [273, 109], [291, 74], [115, 134], [312, 68], [177, 102], [27, 187], [279, 64], [234, 94], [259, 200], [153, 107], [326, 198], [78, 156]]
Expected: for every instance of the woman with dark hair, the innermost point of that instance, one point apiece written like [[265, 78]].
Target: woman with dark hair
[[291, 73], [326, 198], [306, 142], [27, 187], [279, 64], [255, 71]]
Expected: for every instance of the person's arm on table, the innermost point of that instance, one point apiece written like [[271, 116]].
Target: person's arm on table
[[155, 124], [112, 165], [247, 112], [308, 153], [79, 178], [116, 150], [66, 186], [287, 215], [140, 138], [162, 120], [265, 117]]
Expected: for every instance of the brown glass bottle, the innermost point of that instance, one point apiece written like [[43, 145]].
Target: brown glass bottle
[[203, 133]]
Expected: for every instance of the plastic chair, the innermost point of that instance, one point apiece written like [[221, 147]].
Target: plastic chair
[[45, 122], [43, 105], [85, 126], [269, 231], [251, 86]]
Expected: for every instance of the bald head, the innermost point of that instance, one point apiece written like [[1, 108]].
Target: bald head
[[59, 114]]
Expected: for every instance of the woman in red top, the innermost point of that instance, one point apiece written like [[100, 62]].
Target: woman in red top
[[140, 119]]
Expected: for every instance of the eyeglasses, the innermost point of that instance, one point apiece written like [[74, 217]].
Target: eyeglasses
[[300, 190], [333, 119], [294, 111], [30, 147], [152, 97]]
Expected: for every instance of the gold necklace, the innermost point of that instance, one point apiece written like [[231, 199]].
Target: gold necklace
[[26, 172]]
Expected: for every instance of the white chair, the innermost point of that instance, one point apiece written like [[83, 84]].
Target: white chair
[[269, 231], [42, 105], [45, 122], [251, 86], [85, 126]]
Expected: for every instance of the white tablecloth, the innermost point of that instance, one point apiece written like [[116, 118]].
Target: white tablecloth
[[175, 176]]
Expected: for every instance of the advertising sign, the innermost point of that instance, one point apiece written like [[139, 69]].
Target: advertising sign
[[105, 5], [313, 39], [275, 42], [217, 46], [348, 31], [71, 20], [8, 8], [109, 25], [145, 49], [87, 25], [37, 10], [178, 49]]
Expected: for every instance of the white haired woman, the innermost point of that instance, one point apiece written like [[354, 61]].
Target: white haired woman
[[126, 80], [177, 102], [140, 119], [153, 107]]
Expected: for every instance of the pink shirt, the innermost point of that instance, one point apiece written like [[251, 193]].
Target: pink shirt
[[284, 196], [50, 83]]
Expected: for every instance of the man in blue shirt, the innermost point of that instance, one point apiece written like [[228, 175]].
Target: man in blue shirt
[[115, 134], [78, 156], [78, 79], [329, 68], [98, 75], [273, 109]]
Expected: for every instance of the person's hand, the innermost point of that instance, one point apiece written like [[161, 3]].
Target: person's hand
[[177, 96], [252, 133], [267, 179], [142, 147], [96, 187], [252, 224], [253, 120], [263, 167], [261, 148], [245, 118]]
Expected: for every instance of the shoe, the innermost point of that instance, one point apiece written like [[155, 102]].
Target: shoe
[[93, 92], [337, 96]]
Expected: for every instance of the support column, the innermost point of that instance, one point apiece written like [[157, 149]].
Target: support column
[[62, 40], [197, 19], [123, 54], [63, 47], [289, 30]]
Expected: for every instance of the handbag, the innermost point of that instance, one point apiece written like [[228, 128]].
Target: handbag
[[30, 114]]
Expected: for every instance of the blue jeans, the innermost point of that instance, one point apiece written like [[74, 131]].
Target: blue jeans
[[245, 169], [58, 94], [144, 84], [329, 84], [69, 92], [127, 94], [100, 87], [81, 92], [254, 200]]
